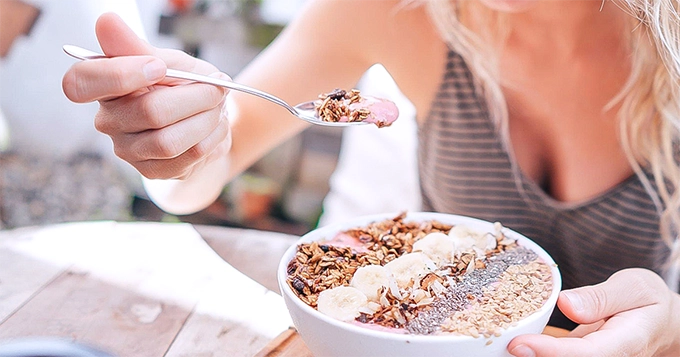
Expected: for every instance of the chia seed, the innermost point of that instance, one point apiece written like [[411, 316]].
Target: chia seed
[[458, 296]]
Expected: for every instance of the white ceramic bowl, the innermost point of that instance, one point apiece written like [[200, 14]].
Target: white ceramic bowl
[[326, 336]]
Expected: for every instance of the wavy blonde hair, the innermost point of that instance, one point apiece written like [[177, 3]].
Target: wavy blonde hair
[[649, 114]]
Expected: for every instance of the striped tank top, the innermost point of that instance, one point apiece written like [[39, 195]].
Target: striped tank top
[[465, 169]]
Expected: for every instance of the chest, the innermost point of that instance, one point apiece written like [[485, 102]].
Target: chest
[[564, 134]]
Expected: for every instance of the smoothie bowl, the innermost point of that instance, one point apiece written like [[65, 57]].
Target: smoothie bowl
[[417, 284]]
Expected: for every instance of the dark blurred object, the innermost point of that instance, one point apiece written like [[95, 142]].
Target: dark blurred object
[[16, 19], [48, 347], [38, 190]]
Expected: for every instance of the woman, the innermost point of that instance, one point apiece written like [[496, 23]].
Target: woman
[[558, 118]]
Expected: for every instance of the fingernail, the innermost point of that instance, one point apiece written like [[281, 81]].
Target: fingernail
[[154, 70], [574, 299], [523, 351]]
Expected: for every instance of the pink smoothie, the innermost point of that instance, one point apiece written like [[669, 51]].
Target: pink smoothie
[[383, 111], [346, 240]]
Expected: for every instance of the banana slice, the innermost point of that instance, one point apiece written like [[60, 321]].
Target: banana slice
[[463, 238], [487, 242], [409, 268], [437, 246], [343, 303], [466, 239], [370, 278]]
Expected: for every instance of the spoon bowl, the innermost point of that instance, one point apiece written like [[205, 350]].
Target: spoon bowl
[[305, 111]]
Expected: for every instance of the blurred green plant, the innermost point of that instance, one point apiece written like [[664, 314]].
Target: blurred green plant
[[261, 34]]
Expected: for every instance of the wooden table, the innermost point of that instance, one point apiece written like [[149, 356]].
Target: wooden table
[[148, 289], [143, 289]]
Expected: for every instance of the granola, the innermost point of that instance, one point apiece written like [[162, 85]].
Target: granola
[[488, 283], [349, 106]]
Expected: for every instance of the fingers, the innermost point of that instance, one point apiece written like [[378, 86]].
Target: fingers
[[543, 345], [111, 77], [118, 39], [134, 66], [618, 338], [114, 77], [624, 315], [548, 346], [220, 152], [624, 290], [181, 165], [585, 329], [168, 142], [164, 132], [157, 109], [163, 127]]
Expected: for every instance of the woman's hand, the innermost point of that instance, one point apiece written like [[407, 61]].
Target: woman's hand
[[633, 313], [166, 129]]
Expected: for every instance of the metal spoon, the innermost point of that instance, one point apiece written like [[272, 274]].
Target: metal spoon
[[305, 111]]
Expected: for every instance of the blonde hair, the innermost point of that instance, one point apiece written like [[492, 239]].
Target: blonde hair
[[649, 114]]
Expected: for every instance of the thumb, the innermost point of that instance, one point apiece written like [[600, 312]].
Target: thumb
[[117, 39], [624, 290]]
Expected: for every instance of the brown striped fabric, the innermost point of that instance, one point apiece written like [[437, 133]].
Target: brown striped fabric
[[466, 170]]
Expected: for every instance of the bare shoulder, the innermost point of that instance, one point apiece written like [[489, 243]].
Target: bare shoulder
[[414, 54]]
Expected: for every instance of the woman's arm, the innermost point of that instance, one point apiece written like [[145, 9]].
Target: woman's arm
[[179, 136]]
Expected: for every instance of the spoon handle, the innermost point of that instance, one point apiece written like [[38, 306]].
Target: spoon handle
[[83, 54], [228, 84]]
